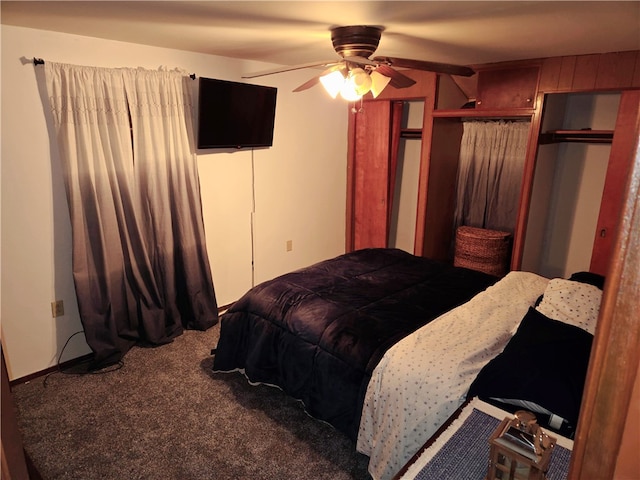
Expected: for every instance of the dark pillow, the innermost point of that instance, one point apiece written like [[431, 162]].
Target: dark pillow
[[588, 277], [538, 301], [545, 363]]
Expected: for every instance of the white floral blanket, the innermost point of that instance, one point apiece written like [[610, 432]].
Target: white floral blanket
[[423, 379]]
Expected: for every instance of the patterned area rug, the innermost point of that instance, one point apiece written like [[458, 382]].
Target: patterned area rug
[[465, 456]]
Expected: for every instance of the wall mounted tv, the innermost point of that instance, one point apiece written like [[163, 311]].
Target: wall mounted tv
[[235, 115]]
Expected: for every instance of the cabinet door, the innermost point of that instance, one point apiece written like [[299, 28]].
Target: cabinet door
[[618, 168], [507, 88]]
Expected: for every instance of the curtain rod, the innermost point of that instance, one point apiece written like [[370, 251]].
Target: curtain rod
[[40, 61]]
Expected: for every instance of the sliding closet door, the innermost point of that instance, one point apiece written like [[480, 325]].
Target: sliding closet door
[[627, 126], [374, 142], [371, 175]]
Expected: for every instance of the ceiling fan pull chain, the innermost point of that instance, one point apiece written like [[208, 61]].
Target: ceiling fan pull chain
[[355, 110]]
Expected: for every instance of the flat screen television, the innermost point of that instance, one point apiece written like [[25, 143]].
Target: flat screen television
[[235, 115]]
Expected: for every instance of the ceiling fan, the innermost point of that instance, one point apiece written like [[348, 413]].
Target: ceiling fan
[[355, 73]]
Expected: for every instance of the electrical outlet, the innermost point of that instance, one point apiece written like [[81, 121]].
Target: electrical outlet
[[57, 308], [289, 245]]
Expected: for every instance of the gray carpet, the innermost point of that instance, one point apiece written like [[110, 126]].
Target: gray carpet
[[166, 415]]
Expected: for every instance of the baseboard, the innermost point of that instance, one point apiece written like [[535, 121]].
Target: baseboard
[[62, 366], [73, 362]]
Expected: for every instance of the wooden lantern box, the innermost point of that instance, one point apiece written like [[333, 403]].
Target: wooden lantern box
[[508, 461]]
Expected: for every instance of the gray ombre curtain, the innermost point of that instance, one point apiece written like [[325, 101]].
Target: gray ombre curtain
[[140, 264], [492, 155]]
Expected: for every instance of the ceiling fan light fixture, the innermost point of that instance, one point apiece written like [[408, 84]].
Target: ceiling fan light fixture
[[348, 92], [353, 83], [378, 83], [360, 81], [333, 82]]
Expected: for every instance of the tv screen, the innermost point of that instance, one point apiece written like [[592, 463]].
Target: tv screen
[[235, 115]]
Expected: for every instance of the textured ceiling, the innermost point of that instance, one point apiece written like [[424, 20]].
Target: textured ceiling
[[294, 32]]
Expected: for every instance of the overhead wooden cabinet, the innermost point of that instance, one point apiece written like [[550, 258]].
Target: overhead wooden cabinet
[[507, 88]]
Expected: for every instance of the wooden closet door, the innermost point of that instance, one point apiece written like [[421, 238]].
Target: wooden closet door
[[14, 462], [371, 173], [618, 168]]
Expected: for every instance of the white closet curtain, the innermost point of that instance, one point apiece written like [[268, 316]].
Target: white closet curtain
[[140, 265], [492, 155]]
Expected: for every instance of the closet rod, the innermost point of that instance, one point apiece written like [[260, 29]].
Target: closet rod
[[40, 61]]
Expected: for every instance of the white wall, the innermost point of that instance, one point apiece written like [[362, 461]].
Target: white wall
[[300, 190]]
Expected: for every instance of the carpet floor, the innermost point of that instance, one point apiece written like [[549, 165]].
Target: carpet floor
[[166, 415]]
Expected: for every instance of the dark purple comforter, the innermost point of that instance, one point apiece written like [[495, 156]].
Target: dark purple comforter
[[319, 332]]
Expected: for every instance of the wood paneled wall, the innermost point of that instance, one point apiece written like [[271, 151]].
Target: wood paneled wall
[[605, 71], [573, 73]]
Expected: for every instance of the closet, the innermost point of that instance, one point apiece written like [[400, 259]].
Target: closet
[[581, 167], [404, 181], [559, 97], [380, 131], [419, 188], [569, 178]]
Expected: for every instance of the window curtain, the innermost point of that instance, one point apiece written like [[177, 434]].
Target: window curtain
[[140, 265], [490, 172]]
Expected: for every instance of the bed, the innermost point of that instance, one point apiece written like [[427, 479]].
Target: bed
[[386, 346], [319, 332]]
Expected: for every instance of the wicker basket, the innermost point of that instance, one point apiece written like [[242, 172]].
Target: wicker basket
[[484, 250]]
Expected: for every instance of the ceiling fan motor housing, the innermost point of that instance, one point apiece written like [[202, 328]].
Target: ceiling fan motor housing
[[356, 41]]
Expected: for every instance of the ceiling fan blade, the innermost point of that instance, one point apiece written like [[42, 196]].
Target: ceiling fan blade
[[398, 80], [309, 83], [289, 68], [429, 66]]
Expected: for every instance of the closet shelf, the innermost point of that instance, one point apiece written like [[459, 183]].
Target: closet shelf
[[584, 136], [488, 114], [411, 133]]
